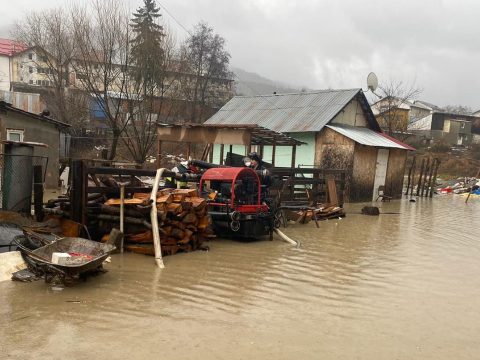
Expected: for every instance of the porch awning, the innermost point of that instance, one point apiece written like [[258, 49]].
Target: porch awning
[[224, 134]]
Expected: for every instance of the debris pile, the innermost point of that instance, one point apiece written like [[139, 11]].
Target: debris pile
[[461, 186]]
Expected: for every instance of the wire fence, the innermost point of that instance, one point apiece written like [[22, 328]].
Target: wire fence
[[17, 178]]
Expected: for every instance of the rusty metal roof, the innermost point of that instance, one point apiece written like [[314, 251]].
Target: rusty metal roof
[[369, 137], [305, 111]]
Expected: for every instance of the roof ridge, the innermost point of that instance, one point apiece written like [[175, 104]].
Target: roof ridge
[[299, 93]]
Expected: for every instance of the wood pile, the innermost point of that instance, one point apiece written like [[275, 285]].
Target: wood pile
[[184, 223], [303, 215]]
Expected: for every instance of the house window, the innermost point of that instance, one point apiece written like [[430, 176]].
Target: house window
[[39, 82], [14, 135], [30, 82], [462, 125], [30, 56]]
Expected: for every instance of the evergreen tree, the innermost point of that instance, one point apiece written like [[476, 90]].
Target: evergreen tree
[[146, 46]]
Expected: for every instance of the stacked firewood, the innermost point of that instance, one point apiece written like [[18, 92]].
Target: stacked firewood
[[183, 220]]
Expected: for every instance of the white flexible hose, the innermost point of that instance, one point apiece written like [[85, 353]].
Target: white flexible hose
[[154, 219], [286, 238]]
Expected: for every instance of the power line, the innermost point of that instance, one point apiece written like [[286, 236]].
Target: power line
[[235, 75], [174, 18]]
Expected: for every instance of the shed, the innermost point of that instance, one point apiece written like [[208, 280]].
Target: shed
[[340, 132], [243, 136], [23, 126]]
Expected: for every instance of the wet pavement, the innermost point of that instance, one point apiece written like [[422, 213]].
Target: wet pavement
[[397, 286]]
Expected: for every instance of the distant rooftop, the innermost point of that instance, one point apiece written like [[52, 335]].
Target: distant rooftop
[[10, 47]]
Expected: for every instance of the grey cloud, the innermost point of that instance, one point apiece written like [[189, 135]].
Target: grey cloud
[[321, 44]]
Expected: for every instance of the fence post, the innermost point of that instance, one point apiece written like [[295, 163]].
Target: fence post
[[38, 192], [78, 192]]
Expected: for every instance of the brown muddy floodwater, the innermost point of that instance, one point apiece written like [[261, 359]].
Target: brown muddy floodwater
[[398, 286]]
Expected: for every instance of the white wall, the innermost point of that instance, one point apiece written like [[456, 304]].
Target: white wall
[[352, 115], [4, 73]]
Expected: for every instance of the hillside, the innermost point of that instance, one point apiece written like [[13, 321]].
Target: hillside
[[249, 84]]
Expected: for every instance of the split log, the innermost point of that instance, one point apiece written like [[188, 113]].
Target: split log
[[177, 234], [132, 201], [186, 192], [144, 237], [174, 208], [165, 199], [145, 249], [190, 218], [115, 210], [128, 219]]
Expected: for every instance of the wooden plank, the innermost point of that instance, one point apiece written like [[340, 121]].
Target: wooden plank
[[294, 154], [332, 192], [210, 154], [222, 149], [38, 192], [78, 192], [274, 147]]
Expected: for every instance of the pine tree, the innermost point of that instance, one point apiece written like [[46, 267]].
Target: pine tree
[[146, 46]]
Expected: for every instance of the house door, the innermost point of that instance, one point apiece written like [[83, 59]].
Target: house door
[[380, 171]]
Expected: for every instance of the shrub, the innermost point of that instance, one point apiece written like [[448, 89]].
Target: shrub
[[440, 146]]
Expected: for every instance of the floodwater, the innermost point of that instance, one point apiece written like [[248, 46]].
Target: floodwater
[[397, 286]]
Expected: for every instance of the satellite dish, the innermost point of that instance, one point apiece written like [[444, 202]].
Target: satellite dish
[[372, 82]]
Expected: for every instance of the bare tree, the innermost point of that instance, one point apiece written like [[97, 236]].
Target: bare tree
[[458, 109], [101, 59], [393, 108], [129, 70], [206, 58], [47, 34]]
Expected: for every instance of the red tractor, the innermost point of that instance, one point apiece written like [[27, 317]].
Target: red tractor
[[236, 203]]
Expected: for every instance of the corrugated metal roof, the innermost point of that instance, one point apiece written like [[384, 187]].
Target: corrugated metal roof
[[9, 47], [306, 111], [368, 137]]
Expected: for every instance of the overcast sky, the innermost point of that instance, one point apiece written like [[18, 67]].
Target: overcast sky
[[335, 44]]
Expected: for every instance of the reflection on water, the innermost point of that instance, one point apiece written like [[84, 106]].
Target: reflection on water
[[404, 285]]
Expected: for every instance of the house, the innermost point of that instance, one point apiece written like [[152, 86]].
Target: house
[[394, 114], [8, 48], [454, 129], [25, 101], [35, 70], [339, 130], [23, 126]]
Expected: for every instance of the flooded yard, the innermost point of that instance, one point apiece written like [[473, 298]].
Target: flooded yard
[[403, 285]]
